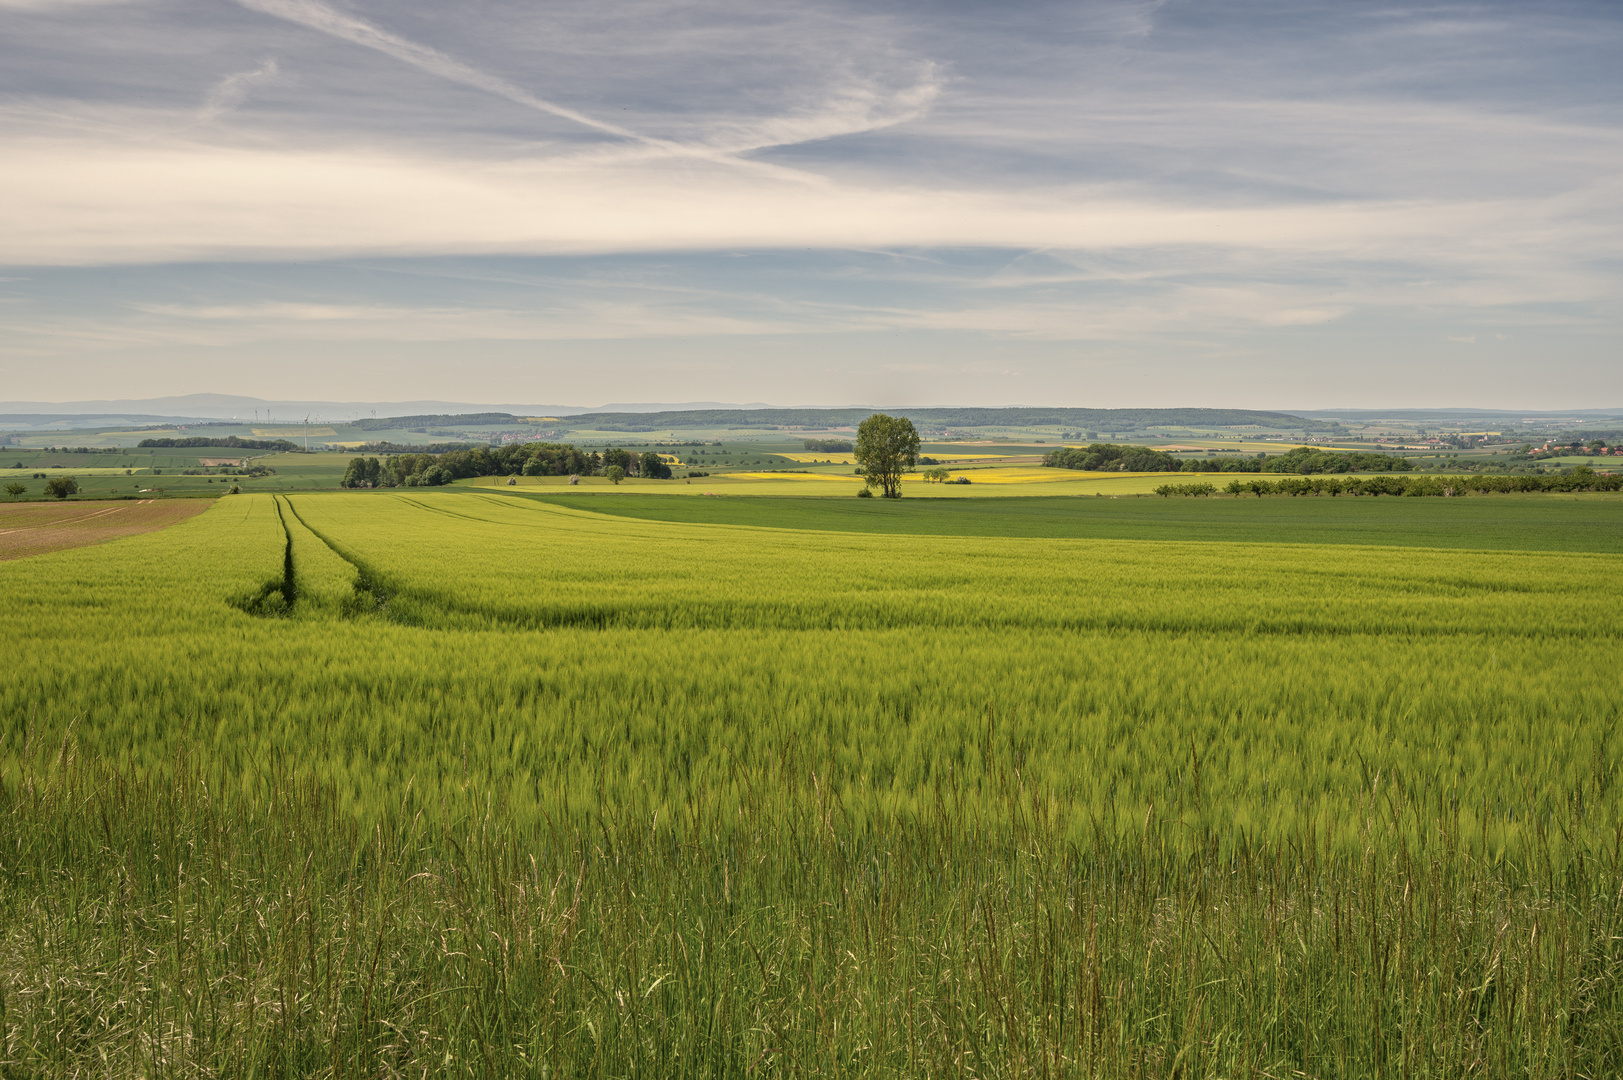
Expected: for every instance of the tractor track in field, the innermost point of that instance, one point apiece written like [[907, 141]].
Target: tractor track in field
[[276, 596], [369, 584]]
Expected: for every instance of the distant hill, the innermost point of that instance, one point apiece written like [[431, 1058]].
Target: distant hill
[[1104, 419], [1447, 415], [232, 406]]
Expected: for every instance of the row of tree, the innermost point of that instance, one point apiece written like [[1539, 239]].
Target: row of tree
[[519, 459], [1108, 457], [1581, 479], [228, 441], [1309, 460]]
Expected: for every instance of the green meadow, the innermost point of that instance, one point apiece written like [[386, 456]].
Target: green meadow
[[455, 782]]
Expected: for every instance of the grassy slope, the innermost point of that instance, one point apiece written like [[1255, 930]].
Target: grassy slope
[[1501, 523]]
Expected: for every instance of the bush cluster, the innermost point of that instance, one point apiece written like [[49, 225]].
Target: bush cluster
[[1185, 489]]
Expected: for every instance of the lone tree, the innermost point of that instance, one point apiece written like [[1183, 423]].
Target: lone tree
[[615, 474], [62, 486], [15, 489], [886, 447]]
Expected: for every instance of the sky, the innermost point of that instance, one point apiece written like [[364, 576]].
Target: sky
[[1291, 204]]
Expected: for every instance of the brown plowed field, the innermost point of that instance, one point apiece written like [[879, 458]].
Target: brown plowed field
[[34, 528]]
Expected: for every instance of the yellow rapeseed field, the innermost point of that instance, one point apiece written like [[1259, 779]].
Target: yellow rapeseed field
[[810, 457], [827, 478]]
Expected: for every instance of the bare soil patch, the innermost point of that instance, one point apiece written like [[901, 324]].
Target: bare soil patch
[[35, 528]]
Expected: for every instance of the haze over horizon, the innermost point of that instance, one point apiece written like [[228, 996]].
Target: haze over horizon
[[1261, 205], [224, 407]]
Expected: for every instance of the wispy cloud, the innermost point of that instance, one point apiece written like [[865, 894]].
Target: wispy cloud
[[358, 31], [1120, 176], [58, 6], [859, 106], [233, 90]]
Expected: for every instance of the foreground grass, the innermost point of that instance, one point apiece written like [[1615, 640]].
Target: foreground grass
[[160, 928], [506, 788]]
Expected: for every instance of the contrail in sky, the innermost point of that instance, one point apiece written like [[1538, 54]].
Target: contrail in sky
[[319, 16]]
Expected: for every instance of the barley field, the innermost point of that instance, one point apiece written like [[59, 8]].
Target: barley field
[[456, 783]]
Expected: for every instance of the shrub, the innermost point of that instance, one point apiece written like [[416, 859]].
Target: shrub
[[1185, 489]]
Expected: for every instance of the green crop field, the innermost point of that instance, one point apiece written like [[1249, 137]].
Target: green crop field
[[1533, 522], [460, 782]]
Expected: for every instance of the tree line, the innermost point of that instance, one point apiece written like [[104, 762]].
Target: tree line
[[230, 441], [519, 459], [1306, 460], [1110, 457], [1581, 479]]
